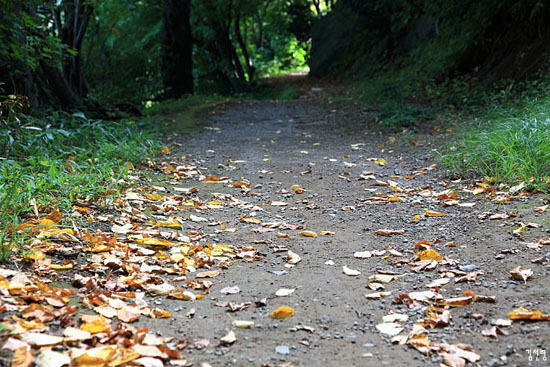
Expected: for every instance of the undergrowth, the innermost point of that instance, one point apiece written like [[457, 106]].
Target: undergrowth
[[56, 160]]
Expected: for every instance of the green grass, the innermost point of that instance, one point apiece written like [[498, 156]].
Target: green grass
[[53, 161], [507, 143]]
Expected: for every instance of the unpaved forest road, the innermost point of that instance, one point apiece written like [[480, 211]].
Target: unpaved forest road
[[218, 218], [324, 149]]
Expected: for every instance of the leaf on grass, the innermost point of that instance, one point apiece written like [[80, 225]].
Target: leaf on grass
[[282, 312]]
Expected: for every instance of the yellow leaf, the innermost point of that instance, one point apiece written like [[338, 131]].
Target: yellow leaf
[[22, 357], [96, 326], [250, 220], [59, 231], [523, 314], [283, 235], [154, 197], [62, 267], [478, 190], [327, 233], [429, 213], [381, 162], [416, 217], [153, 242], [36, 255], [307, 234], [174, 225], [215, 203], [166, 150], [282, 312], [429, 255]]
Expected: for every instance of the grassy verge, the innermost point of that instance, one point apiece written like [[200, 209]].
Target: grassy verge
[[503, 127], [57, 160]]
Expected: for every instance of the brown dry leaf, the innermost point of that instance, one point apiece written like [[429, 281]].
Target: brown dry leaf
[[542, 209], [282, 312], [128, 314], [22, 357], [452, 360], [389, 232], [209, 274], [229, 339], [521, 274], [470, 277], [494, 332]]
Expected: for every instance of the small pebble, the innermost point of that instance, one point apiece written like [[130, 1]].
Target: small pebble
[[282, 349]]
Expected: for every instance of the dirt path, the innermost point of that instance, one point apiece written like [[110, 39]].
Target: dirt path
[[298, 196], [324, 150]]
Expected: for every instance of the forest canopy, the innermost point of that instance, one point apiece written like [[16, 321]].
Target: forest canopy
[[73, 52]]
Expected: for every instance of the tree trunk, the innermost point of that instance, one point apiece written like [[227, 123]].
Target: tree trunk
[[177, 48], [250, 69]]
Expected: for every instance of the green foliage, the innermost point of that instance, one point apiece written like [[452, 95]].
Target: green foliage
[[124, 51], [61, 158], [509, 141]]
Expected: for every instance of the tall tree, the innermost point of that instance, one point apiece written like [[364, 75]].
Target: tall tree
[[177, 48]]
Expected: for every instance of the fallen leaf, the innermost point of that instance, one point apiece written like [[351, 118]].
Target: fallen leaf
[[350, 272], [293, 258], [284, 292], [282, 312], [389, 328], [50, 358], [521, 274], [523, 314], [39, 340], [209, 274], [229, 339], [307, 234], [242, 324], [376, 295], [230, 290], [430, 213], [389, 232], [22, 357], [395, 317], [383, 278], [429, 255]]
